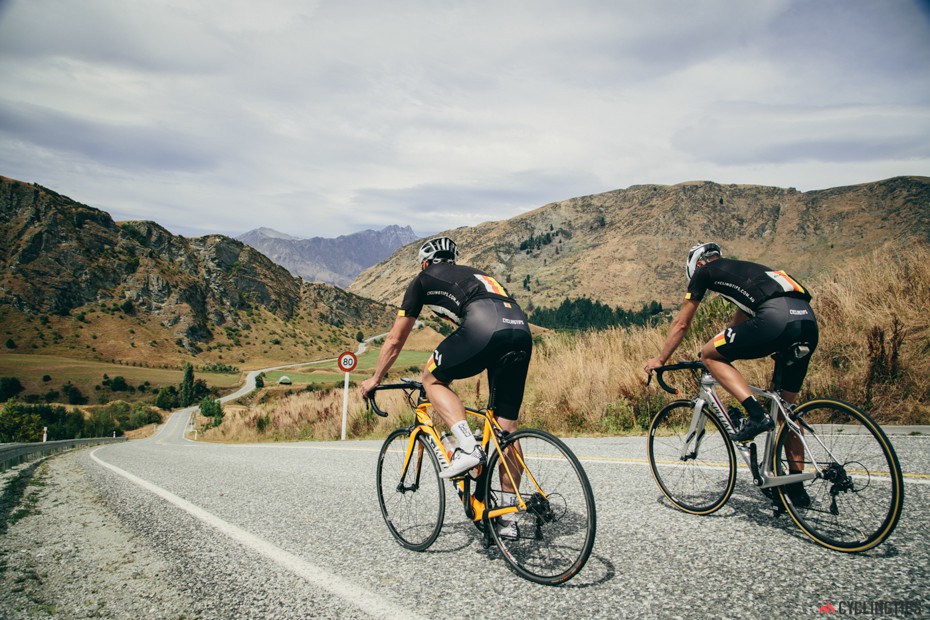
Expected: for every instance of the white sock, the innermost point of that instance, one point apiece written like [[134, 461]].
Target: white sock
[[464, 436], [508, 499]]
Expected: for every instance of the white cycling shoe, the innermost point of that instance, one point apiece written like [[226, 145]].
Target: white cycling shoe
[[462, 462], [508, 530]]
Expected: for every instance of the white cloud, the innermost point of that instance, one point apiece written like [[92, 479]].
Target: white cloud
[[333, 116]]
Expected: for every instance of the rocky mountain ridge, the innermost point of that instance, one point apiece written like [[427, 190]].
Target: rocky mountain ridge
[[334, 261], [627, 247], [63, 259]]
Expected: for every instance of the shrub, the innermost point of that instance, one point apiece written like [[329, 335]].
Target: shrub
[[73, 395], [9, 387], [19, 423], [167, 398]]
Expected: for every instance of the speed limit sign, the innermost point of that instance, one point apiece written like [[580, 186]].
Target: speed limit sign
[[347, 362]]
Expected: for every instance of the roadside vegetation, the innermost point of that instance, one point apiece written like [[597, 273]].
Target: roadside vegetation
[[28, 420], [874, 349]]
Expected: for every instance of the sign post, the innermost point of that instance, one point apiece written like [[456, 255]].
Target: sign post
[[347, 362]]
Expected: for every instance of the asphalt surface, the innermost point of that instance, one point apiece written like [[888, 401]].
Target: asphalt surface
[[294, 530]]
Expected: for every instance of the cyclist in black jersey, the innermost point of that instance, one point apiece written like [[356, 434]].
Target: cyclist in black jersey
[[772, 314], [490, 325]]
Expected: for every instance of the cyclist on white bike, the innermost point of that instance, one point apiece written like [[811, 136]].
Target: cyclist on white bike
[[772, 314]]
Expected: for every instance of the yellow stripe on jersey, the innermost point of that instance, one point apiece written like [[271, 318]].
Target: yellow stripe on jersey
[[431, 364], [720, 340], [687, 295], [492, 285], [401, 313]]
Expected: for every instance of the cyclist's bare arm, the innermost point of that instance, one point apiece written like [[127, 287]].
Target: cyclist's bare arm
[[393, 344], [676, 333]]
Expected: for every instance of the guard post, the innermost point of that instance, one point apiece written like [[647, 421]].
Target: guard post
[[347, 361]]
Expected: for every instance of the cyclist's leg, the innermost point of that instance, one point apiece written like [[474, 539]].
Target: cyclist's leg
[[454, 358], [509, 382], [757, 337], [445, 402], [724, 372], [793, 374]]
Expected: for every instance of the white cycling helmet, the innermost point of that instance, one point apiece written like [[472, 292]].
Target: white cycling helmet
[[440, 248], [701, 251]]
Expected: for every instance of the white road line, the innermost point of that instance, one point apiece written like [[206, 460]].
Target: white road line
[[361, 598]]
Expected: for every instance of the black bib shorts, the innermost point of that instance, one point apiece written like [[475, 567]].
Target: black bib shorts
[[490, 329], [778, 324]]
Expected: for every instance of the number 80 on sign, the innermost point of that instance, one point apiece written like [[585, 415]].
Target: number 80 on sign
[[347, 361]]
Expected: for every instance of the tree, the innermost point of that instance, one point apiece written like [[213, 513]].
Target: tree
[[167, 398], [260, 380], [19, 423], [211, 408], [73, 394], [9, 387], [186, 393]]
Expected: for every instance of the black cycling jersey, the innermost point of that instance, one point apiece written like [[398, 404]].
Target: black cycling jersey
[[447, 289], [491, 324], [747, 285]]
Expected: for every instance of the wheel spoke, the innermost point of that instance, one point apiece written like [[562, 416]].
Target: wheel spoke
[[410, 492], [696, 474], [857, 496], [555, 533]]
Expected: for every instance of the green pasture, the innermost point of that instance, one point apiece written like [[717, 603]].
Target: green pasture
[[30, 369], [328, 372]]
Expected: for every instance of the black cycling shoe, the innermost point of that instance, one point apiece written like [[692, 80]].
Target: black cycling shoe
[[752, 427], [798, 495]]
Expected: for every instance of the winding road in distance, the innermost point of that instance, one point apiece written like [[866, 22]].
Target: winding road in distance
[[293, 530]]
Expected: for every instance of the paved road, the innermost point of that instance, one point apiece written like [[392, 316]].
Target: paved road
[[294, 530]]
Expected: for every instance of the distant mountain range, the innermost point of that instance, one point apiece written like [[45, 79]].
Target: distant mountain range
[[627, 247], [331, 260]]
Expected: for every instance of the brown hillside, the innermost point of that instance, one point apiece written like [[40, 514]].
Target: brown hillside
[[627, 247], [78, 284]]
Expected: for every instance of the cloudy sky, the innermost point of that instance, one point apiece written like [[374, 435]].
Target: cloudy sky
[[322, 118]]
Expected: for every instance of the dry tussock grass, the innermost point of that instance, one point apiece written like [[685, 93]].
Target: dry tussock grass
[[874, 346]]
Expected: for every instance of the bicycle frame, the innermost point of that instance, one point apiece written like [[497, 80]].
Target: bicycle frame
[[766, 476], [475, 508]]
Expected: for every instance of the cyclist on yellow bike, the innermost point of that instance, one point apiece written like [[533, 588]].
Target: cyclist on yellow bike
[[772, 314], [490, 325]]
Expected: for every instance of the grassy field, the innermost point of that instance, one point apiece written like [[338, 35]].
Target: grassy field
[[86, 375], [328, 372]]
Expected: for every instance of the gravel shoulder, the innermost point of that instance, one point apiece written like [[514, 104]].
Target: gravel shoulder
[[65, 554]]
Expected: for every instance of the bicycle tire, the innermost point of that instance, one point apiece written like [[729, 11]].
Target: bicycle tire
[[558, 528], [413, 502], [856, 503], [697, 483]]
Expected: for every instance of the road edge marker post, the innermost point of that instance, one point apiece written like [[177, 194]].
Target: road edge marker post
[[347, 361]]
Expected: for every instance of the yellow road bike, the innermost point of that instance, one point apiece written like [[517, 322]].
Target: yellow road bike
[[553, 514]]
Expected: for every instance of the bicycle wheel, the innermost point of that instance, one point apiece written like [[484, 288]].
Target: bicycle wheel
[[412, 497], [856, 500], [696, 472], [553, 537]]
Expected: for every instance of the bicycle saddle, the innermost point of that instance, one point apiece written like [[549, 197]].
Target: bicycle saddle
[[797, 351]]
